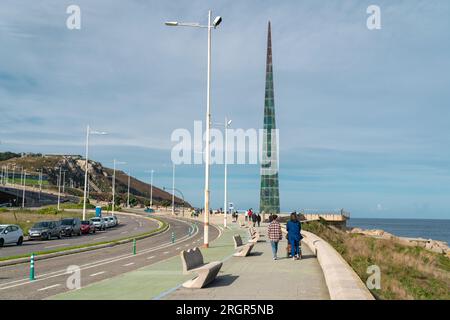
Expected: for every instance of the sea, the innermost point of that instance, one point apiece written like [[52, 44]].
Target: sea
[[411, 228]]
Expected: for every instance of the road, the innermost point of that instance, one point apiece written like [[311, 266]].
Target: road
[[97, 265], [128, 226]]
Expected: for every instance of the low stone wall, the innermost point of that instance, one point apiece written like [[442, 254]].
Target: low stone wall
[[342, 281]]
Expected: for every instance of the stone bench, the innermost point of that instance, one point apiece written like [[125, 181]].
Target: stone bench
[[253, 235], [192, 260], [243, 250]]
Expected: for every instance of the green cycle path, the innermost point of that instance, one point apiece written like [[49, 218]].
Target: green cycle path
[[253, 277]]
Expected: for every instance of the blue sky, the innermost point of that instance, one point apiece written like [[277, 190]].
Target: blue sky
[[364, 116]]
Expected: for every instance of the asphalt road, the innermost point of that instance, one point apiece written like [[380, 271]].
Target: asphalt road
[[128, 226], [97, 265]]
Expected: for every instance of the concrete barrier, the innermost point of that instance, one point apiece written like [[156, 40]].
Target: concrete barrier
[[342, 281]]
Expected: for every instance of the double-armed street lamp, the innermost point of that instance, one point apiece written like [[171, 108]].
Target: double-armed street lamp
[[211, 25]]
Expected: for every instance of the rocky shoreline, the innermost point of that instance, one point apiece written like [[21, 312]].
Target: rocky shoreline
[[436, 246]]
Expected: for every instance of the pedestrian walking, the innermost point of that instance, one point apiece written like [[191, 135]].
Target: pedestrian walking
[[259, 220], [275, 235], [254, 219], [293, 227]]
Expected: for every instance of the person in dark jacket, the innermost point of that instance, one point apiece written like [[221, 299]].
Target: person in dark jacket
[[294, 229], [254, 219], [259, 219]]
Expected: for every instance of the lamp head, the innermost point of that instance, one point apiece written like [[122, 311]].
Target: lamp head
[[171, 23], [217, 21], [229, 122]]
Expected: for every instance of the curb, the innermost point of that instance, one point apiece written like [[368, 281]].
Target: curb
[[79, 250]]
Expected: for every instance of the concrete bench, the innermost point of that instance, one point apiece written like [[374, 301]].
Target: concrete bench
[[243, 250], [253, 235], [192, 260]]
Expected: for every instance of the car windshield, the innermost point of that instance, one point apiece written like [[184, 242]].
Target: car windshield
[[42, 224], [95, 219], [85, 222], [1, 229], [67, 222]]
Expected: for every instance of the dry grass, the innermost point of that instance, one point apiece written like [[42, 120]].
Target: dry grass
[[407, 272]]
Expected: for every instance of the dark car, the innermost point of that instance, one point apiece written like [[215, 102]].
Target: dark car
[[87, 227], [71, 226], [45, 230]]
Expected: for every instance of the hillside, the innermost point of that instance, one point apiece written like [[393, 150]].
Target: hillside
[[100, 178]]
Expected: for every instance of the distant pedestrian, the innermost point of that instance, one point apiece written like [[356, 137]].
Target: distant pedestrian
[[254, 219], [259, 220], [294, 236], [275, 235]]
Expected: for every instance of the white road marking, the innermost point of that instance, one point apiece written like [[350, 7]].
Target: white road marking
[[150, 257], [186, 245], [58, 273], [166, 252], [124, 232], [100, 237], [97, 274], [177, 248], [57, 245], [49, 287], [128, 264]]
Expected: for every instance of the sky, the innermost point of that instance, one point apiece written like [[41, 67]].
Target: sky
[[364, 115]]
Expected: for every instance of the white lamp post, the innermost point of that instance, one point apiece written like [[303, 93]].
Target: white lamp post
[[227, 124], [173, 189], [151, 186], [114, 185], [211, 24], [88, 132], [128, 197]]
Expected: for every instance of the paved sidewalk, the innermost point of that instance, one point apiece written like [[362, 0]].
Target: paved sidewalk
[[253, 277], [261, 278]]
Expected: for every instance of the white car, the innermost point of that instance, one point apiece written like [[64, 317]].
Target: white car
[[10, 233], [108, 223], [112, 221]]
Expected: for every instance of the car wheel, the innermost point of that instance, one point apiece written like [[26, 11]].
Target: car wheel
[[60, 235], [94, 231], [48, 236], [2, 242], [20, 241]]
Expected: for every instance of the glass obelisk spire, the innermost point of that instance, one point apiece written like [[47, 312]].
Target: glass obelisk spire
[[269, 193]]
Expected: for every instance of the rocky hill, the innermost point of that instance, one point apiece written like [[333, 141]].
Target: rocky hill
[[72, 166]]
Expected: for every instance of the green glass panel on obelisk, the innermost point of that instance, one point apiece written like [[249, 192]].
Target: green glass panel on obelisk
[[269, 193]]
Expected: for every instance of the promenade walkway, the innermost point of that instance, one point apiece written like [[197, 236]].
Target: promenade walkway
[[254, 277], [259, 277]]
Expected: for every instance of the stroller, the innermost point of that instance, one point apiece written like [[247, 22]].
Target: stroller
[[289, 248]]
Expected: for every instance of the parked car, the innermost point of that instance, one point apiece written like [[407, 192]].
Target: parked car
[[71, 226], [108, 222], [99, 223], [116, 220], [111, 221], [46, 230], [87, 226], [10, 233]]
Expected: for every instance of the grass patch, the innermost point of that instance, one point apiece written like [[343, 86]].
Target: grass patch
[[407, 272]]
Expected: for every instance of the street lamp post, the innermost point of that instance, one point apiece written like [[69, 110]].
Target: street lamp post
[[24, 185], [227, 124], [88, 132], [210, 25], [181, 193], [128, 197], [59, 188], [151, 186], [114, 185], [173, 189]]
